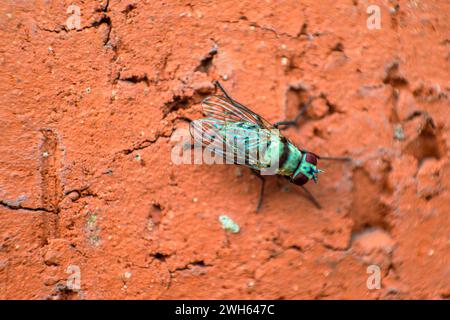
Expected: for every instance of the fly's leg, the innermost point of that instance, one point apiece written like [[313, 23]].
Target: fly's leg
[[261, 193], [232, 101], [335, 158], [311, 198], [218, 85], [294, 122], [327, 158], [261, 190], [309, 194]]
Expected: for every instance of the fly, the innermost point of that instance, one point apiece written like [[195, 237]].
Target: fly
[[234, 132]]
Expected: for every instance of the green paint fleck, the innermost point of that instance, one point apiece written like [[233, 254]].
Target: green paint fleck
[[228, 224], [398, 133], [91, 220], [92, 229]]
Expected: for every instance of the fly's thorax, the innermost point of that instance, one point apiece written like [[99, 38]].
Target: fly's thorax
[[290, 158]]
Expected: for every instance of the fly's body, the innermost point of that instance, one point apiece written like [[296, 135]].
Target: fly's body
[[278, 149], [237, 134]]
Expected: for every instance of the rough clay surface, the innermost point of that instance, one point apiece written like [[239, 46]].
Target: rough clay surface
[[86, 178]]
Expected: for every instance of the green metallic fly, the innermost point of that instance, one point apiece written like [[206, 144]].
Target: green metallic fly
[[233, 131]]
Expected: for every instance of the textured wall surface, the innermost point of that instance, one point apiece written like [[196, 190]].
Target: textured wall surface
[[87, 120]]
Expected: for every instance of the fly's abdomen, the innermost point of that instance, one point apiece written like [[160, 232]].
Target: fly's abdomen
[[252, 145], [248, 144], [242, 139]]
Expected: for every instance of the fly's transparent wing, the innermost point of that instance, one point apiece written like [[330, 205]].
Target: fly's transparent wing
[[236, 142], [219, 107]]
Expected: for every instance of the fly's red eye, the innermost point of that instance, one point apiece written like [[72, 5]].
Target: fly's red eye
[[311, 158], [300, 179]]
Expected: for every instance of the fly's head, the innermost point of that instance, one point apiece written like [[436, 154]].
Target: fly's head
[[307, 169]]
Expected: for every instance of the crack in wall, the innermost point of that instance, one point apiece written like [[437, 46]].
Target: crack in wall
[[188, 266], [135, 79], [102, 19], [141, 145], [278, 34], [207, 62], [51, 187], [10, 206], [63, 28], [302, 32]]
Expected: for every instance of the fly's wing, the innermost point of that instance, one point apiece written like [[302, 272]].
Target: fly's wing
[[236, 142], [235, 132], [219, 107]]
